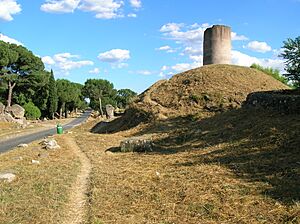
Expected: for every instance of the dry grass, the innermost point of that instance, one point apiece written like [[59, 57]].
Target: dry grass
[[222, 169], [40, 192], [10, 130]]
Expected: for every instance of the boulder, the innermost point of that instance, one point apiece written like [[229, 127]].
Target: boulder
[[7, 177], [22, 145], [5, 117], [137, 144], [109, 111], [21, 121], [16, 111], [2, 108]]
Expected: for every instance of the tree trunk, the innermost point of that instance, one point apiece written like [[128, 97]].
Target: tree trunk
[[10, 91], [61, 110], [66, 111], [100, 106]]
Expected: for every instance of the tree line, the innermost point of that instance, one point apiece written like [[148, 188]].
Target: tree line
[[24, 81]]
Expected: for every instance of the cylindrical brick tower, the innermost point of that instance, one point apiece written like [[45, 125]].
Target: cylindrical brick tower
[[217, 45]]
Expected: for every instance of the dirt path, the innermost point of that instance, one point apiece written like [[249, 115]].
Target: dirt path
[[77, 206]]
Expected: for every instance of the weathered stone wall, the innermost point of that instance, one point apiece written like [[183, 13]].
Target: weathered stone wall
[[282, 101], [217, 45]]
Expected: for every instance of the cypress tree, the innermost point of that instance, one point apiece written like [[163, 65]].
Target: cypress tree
[[53, 98]]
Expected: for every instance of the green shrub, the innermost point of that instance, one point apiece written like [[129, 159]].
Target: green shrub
[[32, 112]]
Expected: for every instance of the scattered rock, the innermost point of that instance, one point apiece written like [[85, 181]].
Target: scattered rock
[[5, 117], [50, 144], [7, 177], [16, 111], [35, 161], [43, 155], [18, 158], [23, 146], [109, 111], [137, 144]]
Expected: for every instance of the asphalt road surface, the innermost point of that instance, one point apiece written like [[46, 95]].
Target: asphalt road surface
[[12, 143]]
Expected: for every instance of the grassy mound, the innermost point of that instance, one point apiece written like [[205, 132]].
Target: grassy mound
[[209, 88], [204, 90]]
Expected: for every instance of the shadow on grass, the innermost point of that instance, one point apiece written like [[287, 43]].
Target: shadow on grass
[[255, 145], [130, 119]]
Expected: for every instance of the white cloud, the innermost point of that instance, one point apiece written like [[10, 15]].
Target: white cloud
[[114, 56], [193, 51], [257, 46], [8, 8], [60, 6], [94, 71], [242, 59], [164, 48], [136, 3], [48, 60], [104, 9], [66, 62], [132, 15], [171, 27], [9, 40], [235, 36]]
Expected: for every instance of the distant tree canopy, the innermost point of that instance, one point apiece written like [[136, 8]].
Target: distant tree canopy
[[100, 92], [69, 95], [24, 80], [291, 52], [16, 63], [124, 97], [275, 73]]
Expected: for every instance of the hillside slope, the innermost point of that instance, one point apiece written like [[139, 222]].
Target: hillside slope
[[208, 88], [203, 90]]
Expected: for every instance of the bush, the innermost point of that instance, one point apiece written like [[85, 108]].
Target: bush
[[32, 112]]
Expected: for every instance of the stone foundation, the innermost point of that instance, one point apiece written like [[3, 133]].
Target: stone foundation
[[284, 101]]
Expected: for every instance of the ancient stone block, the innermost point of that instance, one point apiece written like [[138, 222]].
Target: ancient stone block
[[137, 144], [109, 111], [16, 111]]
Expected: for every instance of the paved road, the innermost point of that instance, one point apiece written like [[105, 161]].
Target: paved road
[[11, 143]]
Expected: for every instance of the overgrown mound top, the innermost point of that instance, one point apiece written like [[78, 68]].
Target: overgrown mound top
[[207, 89]]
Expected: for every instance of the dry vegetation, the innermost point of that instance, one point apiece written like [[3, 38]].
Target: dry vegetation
[[41, 191], [222, 169]]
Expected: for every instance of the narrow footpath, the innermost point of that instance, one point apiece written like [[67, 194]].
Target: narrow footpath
[[77, 207]]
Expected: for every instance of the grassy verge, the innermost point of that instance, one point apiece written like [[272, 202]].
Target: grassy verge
[[40, 192], [222, 169], [8, 130]]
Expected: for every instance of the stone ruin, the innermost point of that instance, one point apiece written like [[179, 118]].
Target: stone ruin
[[217, 45], [14, 113], [282, 101], [109, 111]]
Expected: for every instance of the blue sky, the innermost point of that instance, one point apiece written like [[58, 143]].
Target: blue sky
[[134, 43]]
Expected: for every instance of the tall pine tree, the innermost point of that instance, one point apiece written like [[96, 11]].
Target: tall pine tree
[[53, 98]]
